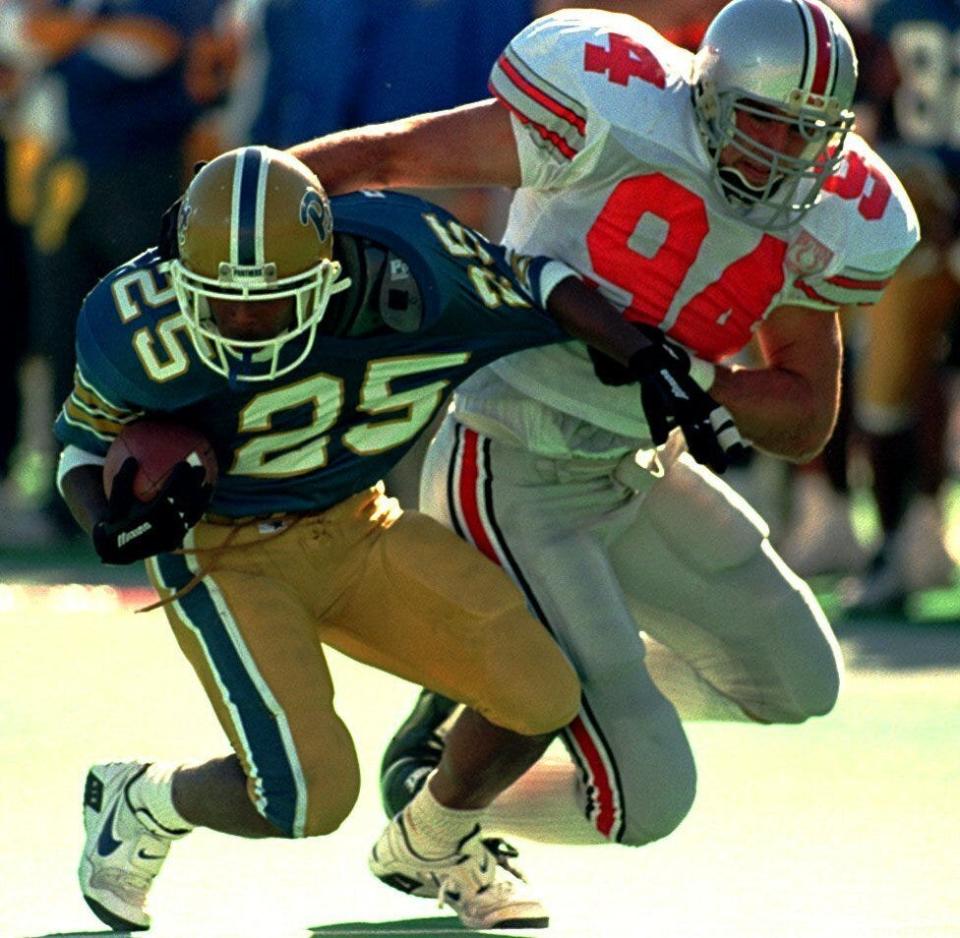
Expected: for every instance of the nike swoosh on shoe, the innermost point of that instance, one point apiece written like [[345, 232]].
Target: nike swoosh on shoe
[[106, 842]]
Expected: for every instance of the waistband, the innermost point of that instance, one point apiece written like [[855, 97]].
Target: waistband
[[353, 505]]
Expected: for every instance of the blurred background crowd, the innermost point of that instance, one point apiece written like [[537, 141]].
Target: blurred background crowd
[[106, 105]]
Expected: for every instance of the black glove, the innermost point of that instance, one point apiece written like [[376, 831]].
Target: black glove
[[134, 530], [671, 398]]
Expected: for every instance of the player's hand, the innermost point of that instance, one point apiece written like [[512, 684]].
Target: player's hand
[[671, 398], [134, 530]]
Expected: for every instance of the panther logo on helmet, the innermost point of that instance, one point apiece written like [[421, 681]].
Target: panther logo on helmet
[[183, 220], [314, 208]]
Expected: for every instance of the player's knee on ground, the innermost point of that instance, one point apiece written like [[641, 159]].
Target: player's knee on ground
[[654, 809], [660, 818], [329, 802]]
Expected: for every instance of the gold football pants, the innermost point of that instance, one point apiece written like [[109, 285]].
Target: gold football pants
[[394, 590]]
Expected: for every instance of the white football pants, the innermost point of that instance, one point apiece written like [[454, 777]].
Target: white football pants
[[603, 548]]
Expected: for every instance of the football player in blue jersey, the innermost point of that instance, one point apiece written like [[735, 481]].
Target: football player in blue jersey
[[312, 345]]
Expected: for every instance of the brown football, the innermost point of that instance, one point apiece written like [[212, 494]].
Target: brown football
[[158, 445]]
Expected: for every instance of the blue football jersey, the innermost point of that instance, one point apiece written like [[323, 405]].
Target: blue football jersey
[[443, 302], [924, 39]]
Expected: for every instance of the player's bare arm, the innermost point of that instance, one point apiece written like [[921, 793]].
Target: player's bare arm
[[469, 145], [789, 406]]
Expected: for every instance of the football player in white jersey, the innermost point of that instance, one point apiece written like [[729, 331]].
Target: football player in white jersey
[[721, 196]]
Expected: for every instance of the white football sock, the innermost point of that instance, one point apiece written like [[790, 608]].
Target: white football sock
[[433, 829], [151, 797]]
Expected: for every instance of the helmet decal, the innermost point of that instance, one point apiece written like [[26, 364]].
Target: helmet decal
[[183, 220], [313, 208]]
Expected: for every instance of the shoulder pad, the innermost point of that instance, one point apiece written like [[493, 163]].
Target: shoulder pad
[[399, 299], [575, 67], [867, 222]]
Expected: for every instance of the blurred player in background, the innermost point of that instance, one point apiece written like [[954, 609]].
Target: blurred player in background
[[362, 66], [683, 22], [899, 393], [903, 381], [13, 270], [312, 353], [131, 80], [719, 197]]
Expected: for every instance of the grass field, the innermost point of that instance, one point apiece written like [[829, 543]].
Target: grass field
[[846, 826]]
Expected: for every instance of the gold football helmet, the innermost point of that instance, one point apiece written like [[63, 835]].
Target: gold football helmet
[[255, 224]]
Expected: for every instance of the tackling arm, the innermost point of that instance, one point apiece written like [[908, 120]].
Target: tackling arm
[[471, 145], [788, 407], [669, 393]]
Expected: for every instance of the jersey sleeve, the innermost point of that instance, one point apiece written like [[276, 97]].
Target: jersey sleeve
[[102, 399], [500, 305], [868, 224], [563, 80]]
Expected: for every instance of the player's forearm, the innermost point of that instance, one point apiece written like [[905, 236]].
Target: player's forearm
[[779, 411], [351, 159], [587, 316], [471, 145], [82, 490]]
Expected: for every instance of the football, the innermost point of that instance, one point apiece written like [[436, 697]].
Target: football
[[158, 445]]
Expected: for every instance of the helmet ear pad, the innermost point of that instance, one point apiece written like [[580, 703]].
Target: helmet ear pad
[[255, 224]]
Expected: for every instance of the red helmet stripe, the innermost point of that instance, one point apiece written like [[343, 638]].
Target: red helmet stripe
[[823, 49]]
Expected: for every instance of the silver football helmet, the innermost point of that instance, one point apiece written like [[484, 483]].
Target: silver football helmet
[[255, 224], [788, 60]]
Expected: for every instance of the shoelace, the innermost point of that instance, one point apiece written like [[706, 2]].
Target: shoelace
[[207, 557], [502, 852]]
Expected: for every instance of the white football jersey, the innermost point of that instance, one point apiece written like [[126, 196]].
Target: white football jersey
[[618, 183]]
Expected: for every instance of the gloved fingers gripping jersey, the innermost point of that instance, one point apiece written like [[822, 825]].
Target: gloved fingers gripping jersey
[[134, 530], [671, 398]]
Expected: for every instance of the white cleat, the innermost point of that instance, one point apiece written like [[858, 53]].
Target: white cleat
[[121, 855], [469, 880]]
